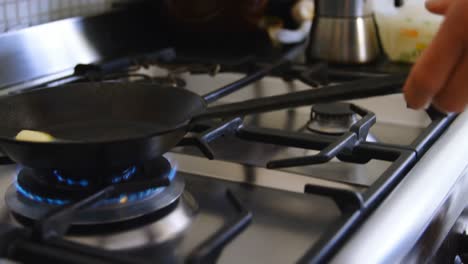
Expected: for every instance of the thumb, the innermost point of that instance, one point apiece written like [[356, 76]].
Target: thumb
[[438, 6]]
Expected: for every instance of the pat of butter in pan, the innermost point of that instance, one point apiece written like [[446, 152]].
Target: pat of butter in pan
[[34, 136]]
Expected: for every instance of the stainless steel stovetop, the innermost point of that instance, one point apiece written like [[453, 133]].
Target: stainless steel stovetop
[[284, 218]]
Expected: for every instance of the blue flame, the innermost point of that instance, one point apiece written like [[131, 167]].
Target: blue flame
[[172, 173], [123, 198], [38, 198], [126, 175], [133, 197], [174, 166], [68, 181]]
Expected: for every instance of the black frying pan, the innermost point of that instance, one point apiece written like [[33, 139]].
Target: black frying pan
[[114, 125]]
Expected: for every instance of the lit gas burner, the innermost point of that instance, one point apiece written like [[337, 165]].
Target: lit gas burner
[[334, 118], [37, 191]]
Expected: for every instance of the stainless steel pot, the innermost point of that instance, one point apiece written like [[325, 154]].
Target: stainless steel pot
[[344, 31]]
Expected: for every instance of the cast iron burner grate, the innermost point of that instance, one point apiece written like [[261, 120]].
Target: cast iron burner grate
[[141, 190]]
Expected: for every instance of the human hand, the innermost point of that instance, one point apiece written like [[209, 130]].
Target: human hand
[[440, 76]]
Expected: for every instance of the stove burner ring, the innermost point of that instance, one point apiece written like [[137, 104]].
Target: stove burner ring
[[115, 209], [164, 225], [332, 118], [58, 177], [102, 212], [123, 198]]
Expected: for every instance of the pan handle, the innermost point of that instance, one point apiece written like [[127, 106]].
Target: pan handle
[[375, 86]]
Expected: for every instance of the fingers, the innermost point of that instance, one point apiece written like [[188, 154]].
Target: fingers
[[435, 66], [454, 96], [438, 6]]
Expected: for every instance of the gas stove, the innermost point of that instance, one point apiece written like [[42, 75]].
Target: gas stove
[[326, 182]]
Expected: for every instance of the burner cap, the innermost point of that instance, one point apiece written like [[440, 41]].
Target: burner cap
[[333, 118]]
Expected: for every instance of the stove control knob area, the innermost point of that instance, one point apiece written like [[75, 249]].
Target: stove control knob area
[[333, 118]]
